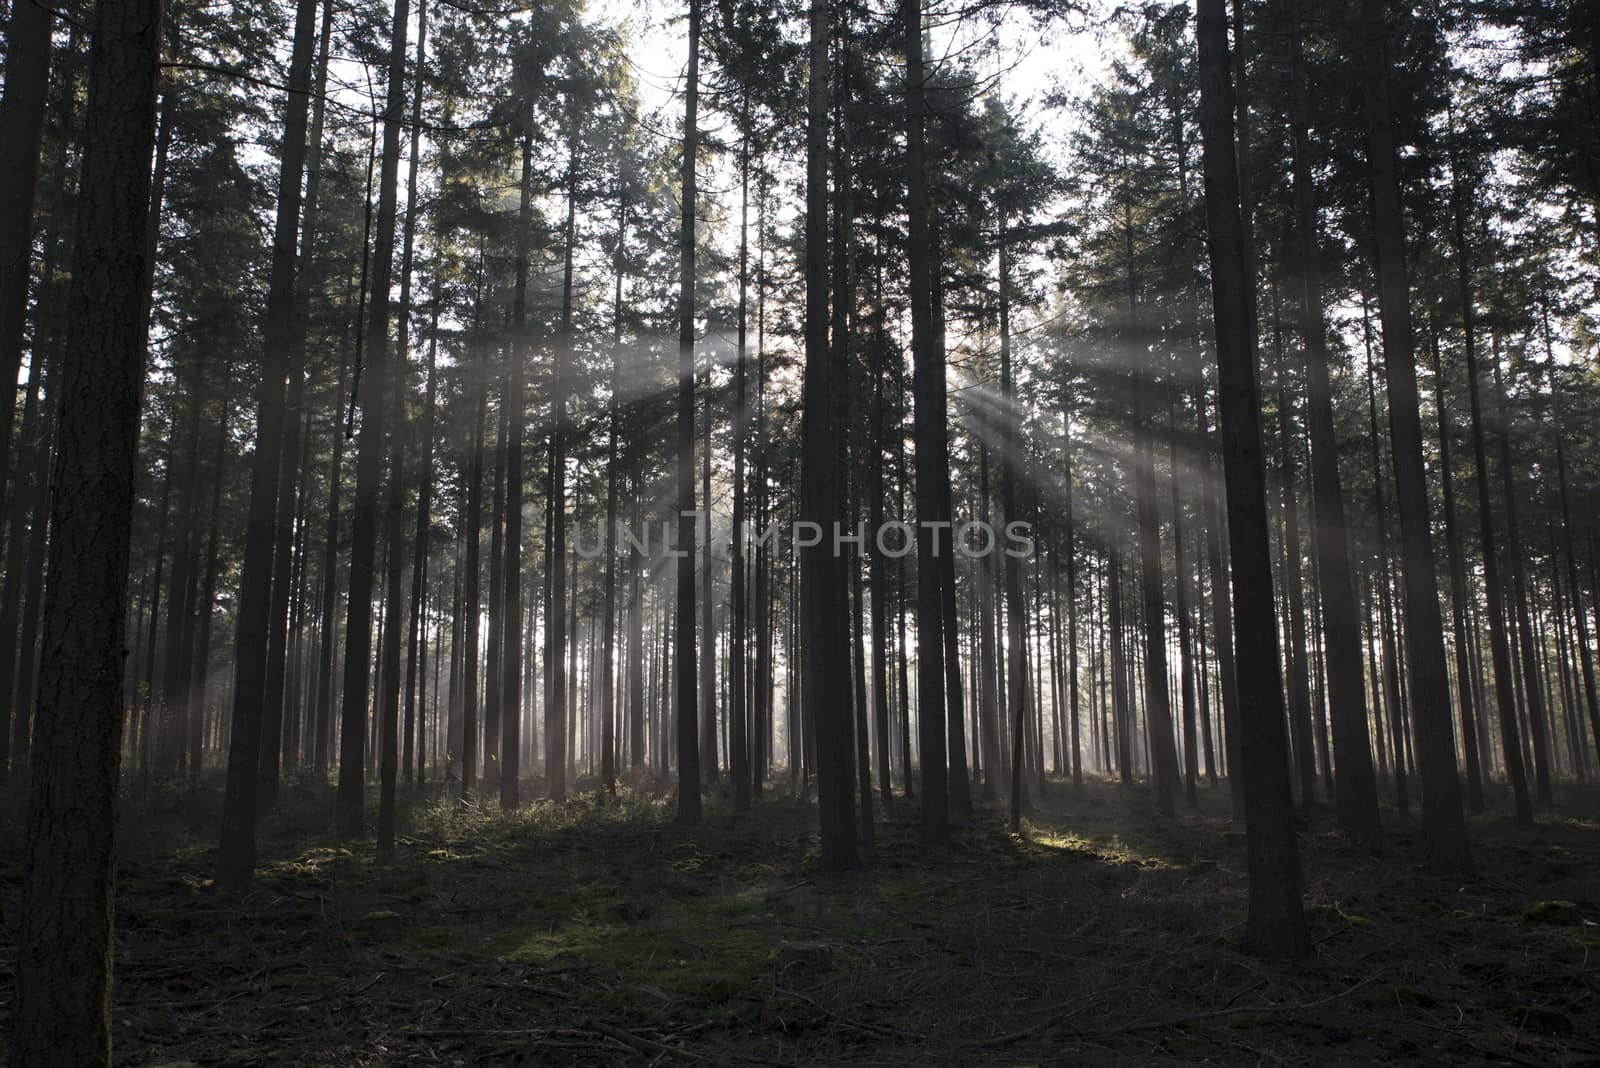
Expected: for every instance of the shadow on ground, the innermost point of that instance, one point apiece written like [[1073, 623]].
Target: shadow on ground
[[601, 934]]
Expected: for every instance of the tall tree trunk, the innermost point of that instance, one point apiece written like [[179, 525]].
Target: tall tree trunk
[[200, 665], [558, 743], [929, 411], [348, 815], [267, 774], [513, 399], [237, 851], [608, 740], [1444, 829], [1355, 787], [764, 610], [496, 635], [824, 647], [1071, 553], [1531, 675], [1157, 702], [738, 710], [1221, 618], [1393, 699], [957, 781], [180, 609], [1121, 714], [1458, 593], [1276, 923], [688, 730], [416, 638], [988, 684], [1299, 666], [63, 969], [1191, 747], [1580, 621], [843, 418]]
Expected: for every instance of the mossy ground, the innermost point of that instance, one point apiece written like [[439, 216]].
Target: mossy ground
[[600, 933]]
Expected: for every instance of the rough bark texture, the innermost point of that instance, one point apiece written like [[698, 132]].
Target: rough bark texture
[[63, 970]]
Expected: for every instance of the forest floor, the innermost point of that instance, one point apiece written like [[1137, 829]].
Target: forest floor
[[590, 934]]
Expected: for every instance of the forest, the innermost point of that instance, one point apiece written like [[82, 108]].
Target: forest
[[842, 532]]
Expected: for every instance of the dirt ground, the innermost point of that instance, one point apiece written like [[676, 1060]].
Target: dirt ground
[[602, 934]]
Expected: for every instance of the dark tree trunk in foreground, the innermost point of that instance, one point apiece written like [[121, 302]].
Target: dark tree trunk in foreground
[[1276, 925], [1444, 829], [63, 969], [684, 658], [236, 856], [824, 649]]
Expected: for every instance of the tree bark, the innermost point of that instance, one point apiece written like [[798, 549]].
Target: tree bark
[[1276, 922], [1355, 786], [688, 729], [1444, 829], [825, 626], [62, 1011], [381, 377], [237, 851]]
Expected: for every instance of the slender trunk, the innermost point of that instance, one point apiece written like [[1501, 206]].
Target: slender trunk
[[988, 685], [1355, 787], [237, 852], [1221, 618], [1444, 829], [608, 741], [1531, 681], [929, 413], [369, 455], [688, 730], [1191, 748], [1458, 594], [1157, 702], [1579, 620], [738, 711]]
